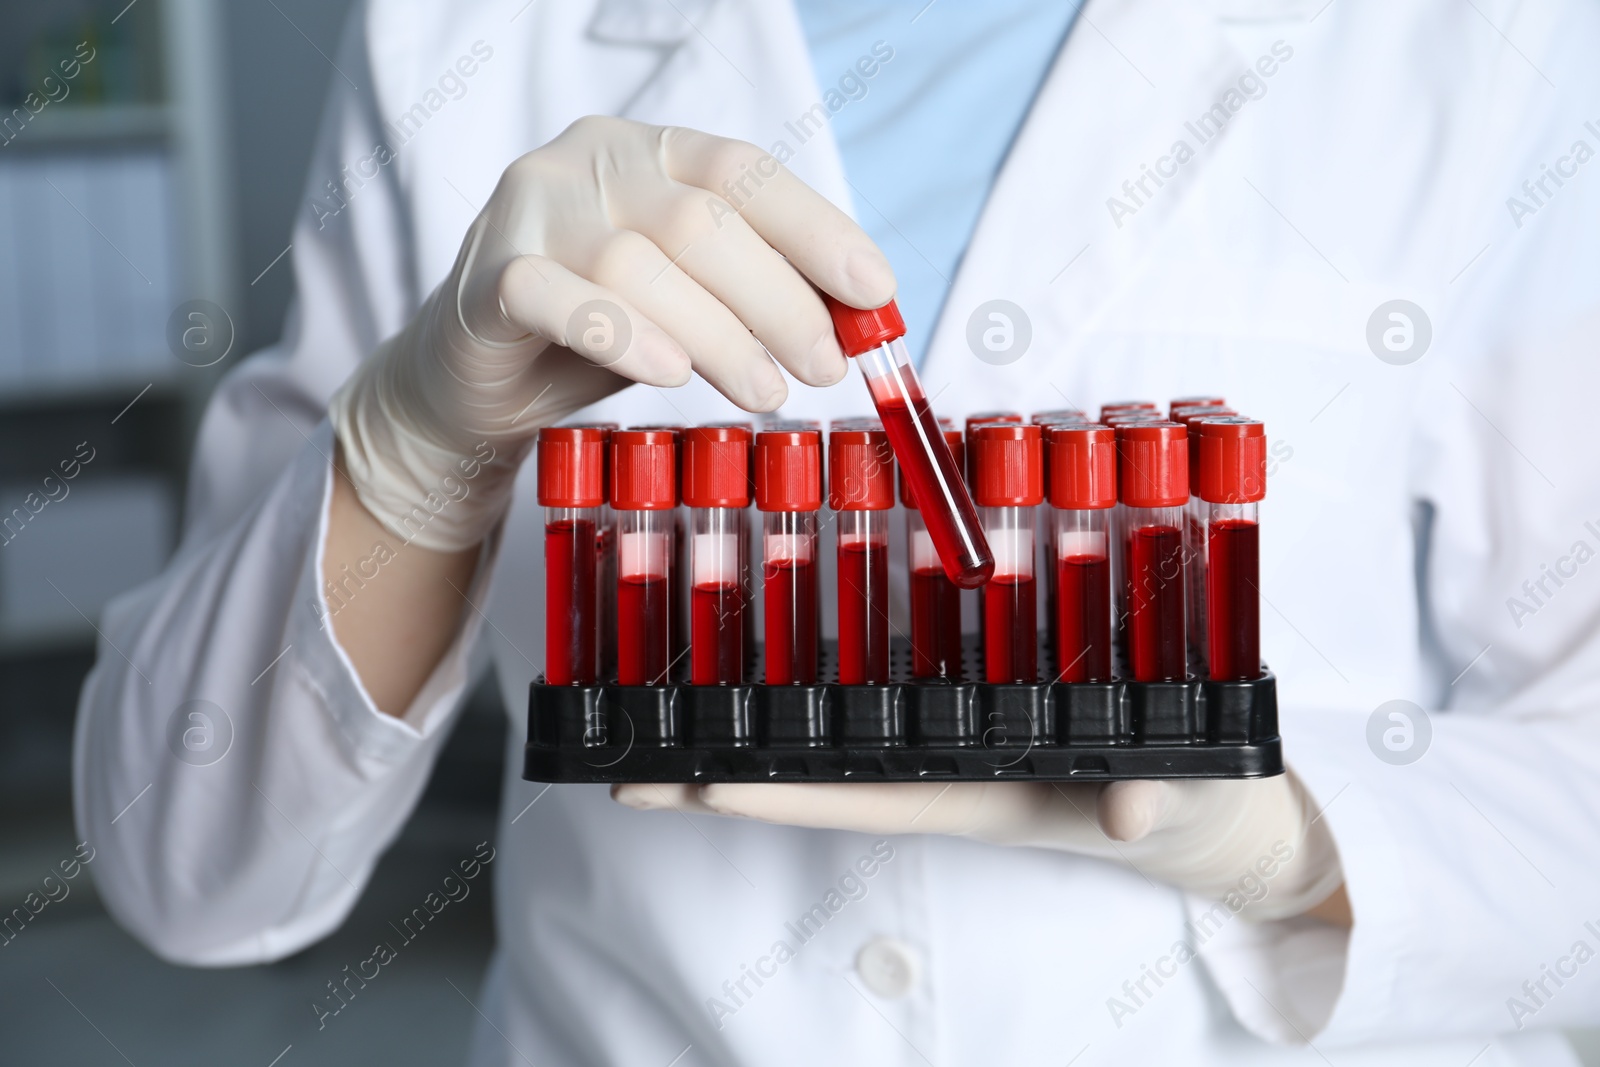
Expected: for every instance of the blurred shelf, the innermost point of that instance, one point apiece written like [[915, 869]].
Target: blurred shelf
[[95, 124], [55, 637], [103, 388]]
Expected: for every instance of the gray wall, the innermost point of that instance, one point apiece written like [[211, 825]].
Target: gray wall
[[277, 83]]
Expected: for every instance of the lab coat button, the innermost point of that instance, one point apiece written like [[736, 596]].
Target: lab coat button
[[888, 967]]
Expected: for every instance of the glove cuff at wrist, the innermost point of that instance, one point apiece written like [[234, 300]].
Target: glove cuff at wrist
[[426, 493]]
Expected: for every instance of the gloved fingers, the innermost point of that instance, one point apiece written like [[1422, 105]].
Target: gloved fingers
[[819, 239], [760, 287], [536, 295], [720, 347], [670, 796], [1131, 811], [864, 807]]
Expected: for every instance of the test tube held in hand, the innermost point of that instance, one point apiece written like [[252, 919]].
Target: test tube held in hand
[[1007, 461], [1233, 480], [935, 599], [716, 488], [861, 492], [644, 497], [1082, 490], [1153, 484], [571, 463], [876, 339], [789, 495]]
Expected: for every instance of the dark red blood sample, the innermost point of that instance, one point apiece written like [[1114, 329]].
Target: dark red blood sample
[[643, 635], [1156, 649], [1083, 618], [935, 625], [716, 637], [928, 467], [791, 594], [1010, 629], [569, 579], [863, 622], [1233, 603]]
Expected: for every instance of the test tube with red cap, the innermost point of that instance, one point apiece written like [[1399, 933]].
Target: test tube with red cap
[[1115, 407], [677, 609], [644, 497], [861, 492], [716, 488], [876, 338], [605, 546], [1194, 525], [1082, 491], [1193, 402], [571, 489], [935, 599], [789, 494], [1233, 479], [1153, 485], [1008, 464]]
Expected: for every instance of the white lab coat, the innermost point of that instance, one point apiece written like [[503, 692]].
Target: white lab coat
[[1407, 504]]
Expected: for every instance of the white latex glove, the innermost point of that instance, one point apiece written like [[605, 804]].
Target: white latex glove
[[618, 252], [1210, 838]]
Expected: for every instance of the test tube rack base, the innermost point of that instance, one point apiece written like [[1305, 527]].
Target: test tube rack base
[[905, 730]]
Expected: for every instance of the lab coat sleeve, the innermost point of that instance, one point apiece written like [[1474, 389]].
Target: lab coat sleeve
[[1471, 871], [236, 782]]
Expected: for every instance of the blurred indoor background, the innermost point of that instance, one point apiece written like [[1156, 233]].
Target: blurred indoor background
[[164, 164], [167, 169]]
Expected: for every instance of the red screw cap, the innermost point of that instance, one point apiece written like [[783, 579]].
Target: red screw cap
[[644, 470], [1232, 460], [1115, 406], [1083, 466], [958, 450], [1008, 465], [1188, 417], [716, 467], [572, 466], [1195, 402], [1153, 465], [860, 470], [862, 329], [789, 470]]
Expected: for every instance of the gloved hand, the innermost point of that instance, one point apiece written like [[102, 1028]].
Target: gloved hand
[[618, 252], [1205, 837]]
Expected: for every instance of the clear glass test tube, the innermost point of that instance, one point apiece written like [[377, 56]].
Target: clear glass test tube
[[1082, 465], [875, 338], [716, 476], [1007, 462], [1233, 479], [1153, 484], [571, 469], [935, 600], [1194, 522], [861, 492], [789, 495], [644, 497]]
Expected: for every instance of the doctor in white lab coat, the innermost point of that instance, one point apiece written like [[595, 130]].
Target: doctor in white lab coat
[[1430, 537]]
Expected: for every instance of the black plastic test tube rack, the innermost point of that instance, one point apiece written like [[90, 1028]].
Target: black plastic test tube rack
[[906, 730]]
